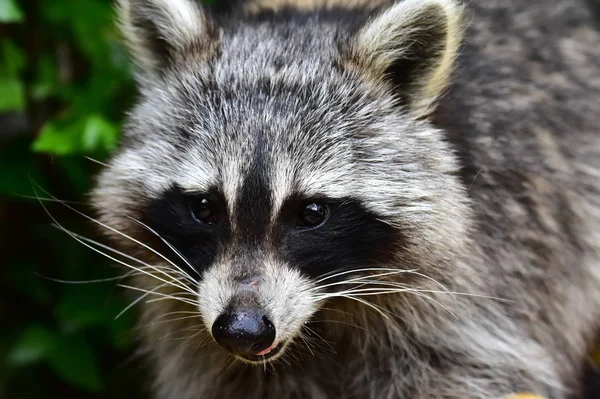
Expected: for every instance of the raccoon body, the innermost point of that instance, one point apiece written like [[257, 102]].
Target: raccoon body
[[326, 199]]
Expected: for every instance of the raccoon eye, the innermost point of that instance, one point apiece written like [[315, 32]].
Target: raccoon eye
[[313, 215], [203, 210]]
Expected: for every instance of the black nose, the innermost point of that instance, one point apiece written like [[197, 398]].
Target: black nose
[[244, 332]]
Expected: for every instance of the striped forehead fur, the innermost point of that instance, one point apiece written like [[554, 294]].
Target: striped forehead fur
[[256, 6], [262, 67], [215, 153]]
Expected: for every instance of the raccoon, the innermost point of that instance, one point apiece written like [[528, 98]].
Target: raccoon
[[361, 199]]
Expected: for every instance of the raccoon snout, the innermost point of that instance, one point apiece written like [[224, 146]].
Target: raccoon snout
[[250, 283], [245, 333]]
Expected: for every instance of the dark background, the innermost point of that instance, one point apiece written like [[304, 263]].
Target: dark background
[[65, 84]]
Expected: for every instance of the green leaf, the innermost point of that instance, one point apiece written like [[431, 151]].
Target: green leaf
[[98, 134], [58, 140], [73, 360], [12, 94], [13, 58], [10, 12], [89, 134], [34, 345]]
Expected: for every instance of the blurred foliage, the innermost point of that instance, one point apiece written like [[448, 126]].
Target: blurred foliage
[[65, 83]]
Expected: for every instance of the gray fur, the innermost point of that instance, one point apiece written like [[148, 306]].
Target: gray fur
[[496, 192]]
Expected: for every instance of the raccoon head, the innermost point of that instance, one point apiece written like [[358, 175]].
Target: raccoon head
[[277, 161]]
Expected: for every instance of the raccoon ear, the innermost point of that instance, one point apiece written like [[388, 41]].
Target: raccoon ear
[[412, 45], [161, 32]]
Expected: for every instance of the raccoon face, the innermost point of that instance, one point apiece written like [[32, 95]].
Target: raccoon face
[[275, 162]]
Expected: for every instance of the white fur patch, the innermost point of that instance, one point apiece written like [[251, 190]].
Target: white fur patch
[[183, 20]]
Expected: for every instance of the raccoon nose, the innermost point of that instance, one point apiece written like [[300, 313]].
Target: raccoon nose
[[245, 332]]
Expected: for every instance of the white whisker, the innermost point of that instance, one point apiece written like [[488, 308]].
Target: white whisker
[[140, 298], [189, 302], [179, 254], [183, 287], [99, 280], [363, 277], [367, 303], [113, 258], [407, 288], [375, 269], [194, 335], [120, 253], [177, 295], [197, 316], [98, 162], [103, 225]]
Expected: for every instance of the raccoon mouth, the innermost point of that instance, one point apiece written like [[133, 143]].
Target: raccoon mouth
[[266, 355]]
